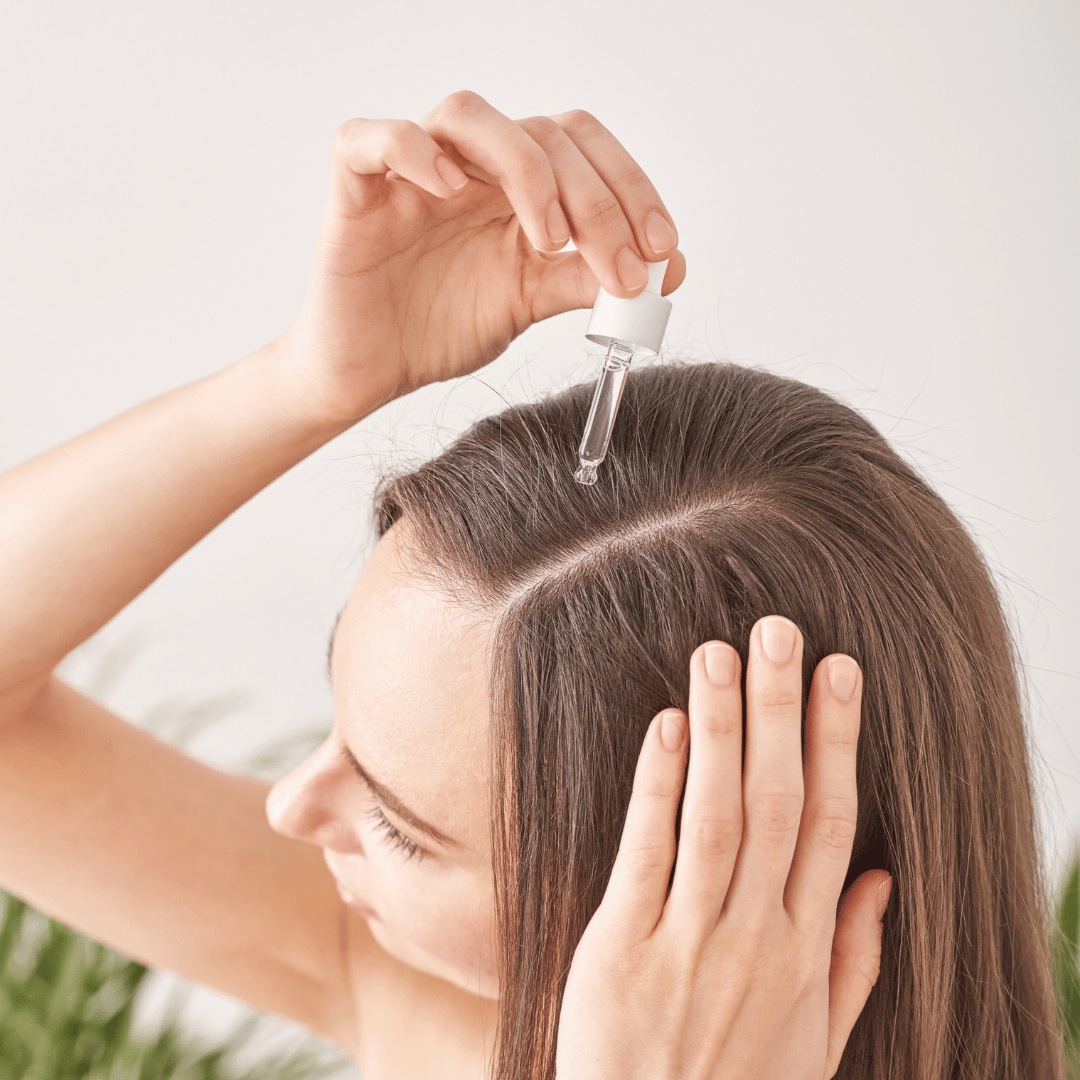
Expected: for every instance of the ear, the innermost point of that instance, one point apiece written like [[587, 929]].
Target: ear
[[856, 960]]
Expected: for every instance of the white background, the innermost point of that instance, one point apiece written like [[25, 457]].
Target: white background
[[881, 200]]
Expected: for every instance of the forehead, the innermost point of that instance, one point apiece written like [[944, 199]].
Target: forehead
[[410, 693]]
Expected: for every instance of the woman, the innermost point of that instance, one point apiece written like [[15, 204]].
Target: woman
[[517, 880]]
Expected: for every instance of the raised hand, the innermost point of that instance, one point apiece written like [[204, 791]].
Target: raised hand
[[440, 244], [745, 969]]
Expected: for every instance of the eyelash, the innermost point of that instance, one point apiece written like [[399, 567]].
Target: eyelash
[[394, 838]]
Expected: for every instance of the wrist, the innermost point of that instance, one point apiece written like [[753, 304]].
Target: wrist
[[311, 388], [303, 408]]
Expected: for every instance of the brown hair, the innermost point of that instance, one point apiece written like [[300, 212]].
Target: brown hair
[[728, 494]]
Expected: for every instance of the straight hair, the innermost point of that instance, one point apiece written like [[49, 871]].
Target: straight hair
[[728, 494]]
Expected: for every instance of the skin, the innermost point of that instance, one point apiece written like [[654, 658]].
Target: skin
[[410, 701]]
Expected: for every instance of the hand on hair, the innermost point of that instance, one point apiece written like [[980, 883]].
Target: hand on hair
[[423, 273], [745, 968]]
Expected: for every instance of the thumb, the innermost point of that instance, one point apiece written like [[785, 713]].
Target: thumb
[[856, 960]]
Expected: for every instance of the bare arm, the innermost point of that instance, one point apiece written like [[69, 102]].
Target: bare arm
[[105, 827], [171, 861], [86, 526]]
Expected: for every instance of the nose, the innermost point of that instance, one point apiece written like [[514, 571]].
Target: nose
[[307, 803]]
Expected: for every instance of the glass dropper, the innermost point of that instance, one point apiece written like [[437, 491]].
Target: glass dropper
[[605, 403], [627, 327]]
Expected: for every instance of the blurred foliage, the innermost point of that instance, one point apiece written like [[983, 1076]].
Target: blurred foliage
[[1065, 952], [66, 1005], [67, 1002]]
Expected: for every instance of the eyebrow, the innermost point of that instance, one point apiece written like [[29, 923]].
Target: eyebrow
[[391, 801]]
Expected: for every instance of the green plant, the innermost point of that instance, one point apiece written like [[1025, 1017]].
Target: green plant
[[66, 1005], [1065, 953]]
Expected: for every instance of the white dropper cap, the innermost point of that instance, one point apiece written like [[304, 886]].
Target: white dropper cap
[[639, 322]]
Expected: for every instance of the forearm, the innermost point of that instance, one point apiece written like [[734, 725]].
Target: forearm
[[86, 526]]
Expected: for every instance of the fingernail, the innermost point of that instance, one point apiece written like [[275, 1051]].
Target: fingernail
[[659, 233], [671, 730], [453, 176], [720, 664], [883, 897], [778, 639], [557, 226], [632, 272], [843, 675]]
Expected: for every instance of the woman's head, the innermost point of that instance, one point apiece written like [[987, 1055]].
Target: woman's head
[[727, 494]]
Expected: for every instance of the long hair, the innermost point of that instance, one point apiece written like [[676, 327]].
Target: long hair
[[728, 494]]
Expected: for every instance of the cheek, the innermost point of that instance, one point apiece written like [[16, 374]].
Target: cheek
[[429, 914]]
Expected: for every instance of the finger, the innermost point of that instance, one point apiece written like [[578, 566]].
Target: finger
[[830, 811], [856, 960], [507, 152], [565, 282], [710, 826], [599, 220], [636, 891], [653, 227], [366, 150], [772, 773]]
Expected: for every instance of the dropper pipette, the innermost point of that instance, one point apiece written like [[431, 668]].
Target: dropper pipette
[[624, 326], [605, 404]]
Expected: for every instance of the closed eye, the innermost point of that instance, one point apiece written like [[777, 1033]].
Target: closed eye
[[394, 838]]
